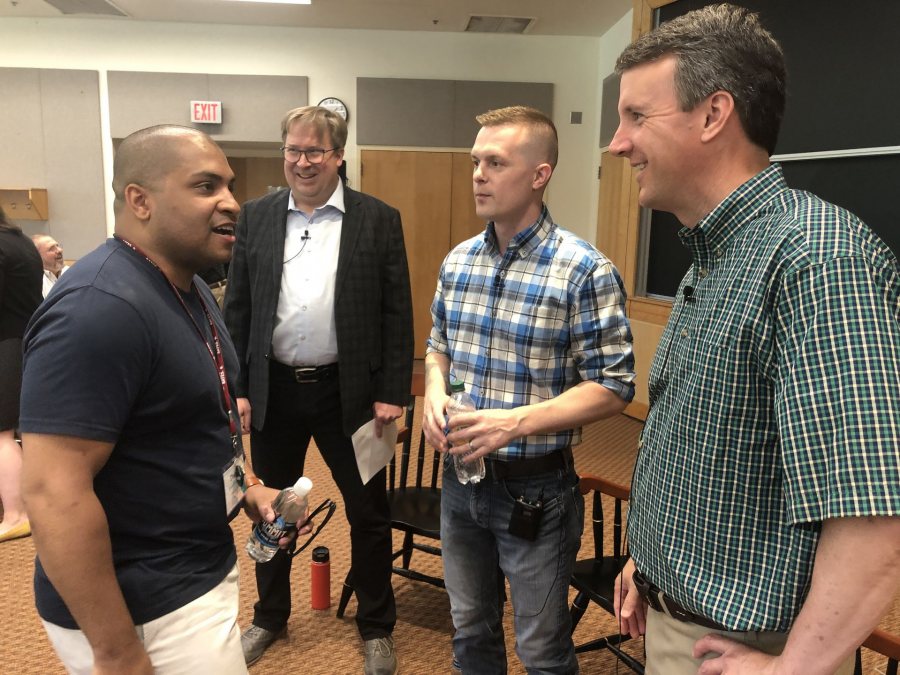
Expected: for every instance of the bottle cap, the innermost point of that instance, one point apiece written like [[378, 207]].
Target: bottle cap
[[457, 385], [320, 554], [302, 486]]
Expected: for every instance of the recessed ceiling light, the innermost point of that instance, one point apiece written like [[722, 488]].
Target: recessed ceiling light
[[278, 2]]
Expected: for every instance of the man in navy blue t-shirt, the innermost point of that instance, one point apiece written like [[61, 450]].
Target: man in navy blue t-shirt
[[133, 464]]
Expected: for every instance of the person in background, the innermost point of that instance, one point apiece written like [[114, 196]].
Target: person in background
[[216, 278], [20, 295], [52, 257], [532, 319], [133, 464], [325, 338], [764, 521]]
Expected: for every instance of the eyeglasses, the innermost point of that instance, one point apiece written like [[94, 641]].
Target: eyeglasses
[[313, 155], [328, 507]]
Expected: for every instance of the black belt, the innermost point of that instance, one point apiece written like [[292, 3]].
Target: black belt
[[663, 603], [521, 468], [307, 374]]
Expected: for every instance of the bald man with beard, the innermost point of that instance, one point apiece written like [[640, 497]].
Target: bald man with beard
[[52, 258]]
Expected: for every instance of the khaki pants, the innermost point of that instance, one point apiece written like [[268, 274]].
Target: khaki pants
[[670, 642]]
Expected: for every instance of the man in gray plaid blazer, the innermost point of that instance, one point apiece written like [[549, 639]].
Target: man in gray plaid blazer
[[320, 311]]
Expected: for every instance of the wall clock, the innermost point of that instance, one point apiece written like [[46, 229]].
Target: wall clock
[[335, 105]]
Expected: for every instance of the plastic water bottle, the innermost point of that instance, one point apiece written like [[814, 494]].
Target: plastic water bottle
[[460, 401], [290, 507]]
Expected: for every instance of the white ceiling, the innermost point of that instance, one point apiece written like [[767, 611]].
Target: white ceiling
[[552, 17]]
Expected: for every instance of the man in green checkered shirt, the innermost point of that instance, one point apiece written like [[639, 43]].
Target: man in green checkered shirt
[[764, 528]]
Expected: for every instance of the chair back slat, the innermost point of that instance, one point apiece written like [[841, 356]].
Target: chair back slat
[[435, 464], [620, 493], [597, 522], [617, 528]]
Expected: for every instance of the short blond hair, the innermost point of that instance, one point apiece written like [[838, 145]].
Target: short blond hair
[[541, 126], [320, 119]]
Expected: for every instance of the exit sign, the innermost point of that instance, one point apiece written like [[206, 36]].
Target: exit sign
[[206, 112]]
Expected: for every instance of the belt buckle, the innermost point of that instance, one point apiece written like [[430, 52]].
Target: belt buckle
[[642, 584], [306, 375]]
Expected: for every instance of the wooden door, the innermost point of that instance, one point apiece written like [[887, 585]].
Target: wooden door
[[418, 185], [613, 215], [253, 176]]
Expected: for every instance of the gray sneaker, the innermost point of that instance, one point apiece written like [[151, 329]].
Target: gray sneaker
[[380, 656], [255, 641]]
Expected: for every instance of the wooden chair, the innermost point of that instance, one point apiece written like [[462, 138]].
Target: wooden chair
[[594, 578], [415, 508], [884, 643]]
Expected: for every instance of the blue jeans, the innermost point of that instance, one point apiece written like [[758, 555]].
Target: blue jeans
[[475, 540]]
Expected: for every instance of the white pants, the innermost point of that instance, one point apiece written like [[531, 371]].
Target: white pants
[[201, 637]]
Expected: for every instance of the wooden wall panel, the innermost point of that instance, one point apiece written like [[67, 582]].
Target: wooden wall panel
[[612, 214], [418, 185]]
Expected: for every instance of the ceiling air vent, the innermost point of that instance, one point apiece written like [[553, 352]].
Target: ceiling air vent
[[499, 24], [102, 7]]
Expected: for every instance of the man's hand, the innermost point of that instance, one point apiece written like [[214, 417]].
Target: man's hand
[[385, 413], [433, 417], [734, 658], [243, 405], [631, 609], [258, 506], [483, 431]]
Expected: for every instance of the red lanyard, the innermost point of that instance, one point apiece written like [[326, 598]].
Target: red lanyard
[[215, 352]]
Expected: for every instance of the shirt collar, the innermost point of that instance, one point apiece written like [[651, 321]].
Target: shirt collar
[[336, 200], [714, 232], [528, 239]]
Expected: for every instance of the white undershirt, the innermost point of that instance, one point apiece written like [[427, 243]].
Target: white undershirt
[[304, 333]]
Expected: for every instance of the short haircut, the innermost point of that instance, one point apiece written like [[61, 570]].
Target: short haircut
[[721, 48], [146, 156], [540, 125], [321, 119]]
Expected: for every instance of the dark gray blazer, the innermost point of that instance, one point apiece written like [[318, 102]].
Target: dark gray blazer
[[373, 305]]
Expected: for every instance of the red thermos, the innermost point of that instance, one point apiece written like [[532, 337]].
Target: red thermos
[[320, 578]]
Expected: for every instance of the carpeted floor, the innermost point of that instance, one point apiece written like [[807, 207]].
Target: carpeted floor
[[320, 644]]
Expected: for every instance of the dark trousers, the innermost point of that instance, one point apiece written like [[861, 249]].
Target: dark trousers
[[295, 413]]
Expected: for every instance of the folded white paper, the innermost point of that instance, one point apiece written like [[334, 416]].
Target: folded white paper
[[373, 453]]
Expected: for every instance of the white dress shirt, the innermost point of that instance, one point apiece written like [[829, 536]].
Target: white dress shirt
[[50, 279], [304, 333]]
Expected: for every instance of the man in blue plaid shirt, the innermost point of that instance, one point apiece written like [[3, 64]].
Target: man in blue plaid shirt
[[532, 319], [764, 523]]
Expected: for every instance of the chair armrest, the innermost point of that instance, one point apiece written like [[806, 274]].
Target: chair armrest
[[884, 643], [588, 482]]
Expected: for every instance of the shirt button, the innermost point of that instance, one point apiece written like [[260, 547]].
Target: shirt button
[[704, 273], [303, 308], [718, 253], [684, 332], [302, 337]]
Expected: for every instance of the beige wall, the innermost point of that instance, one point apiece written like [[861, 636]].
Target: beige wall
[[332, 59], [50, 138]]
